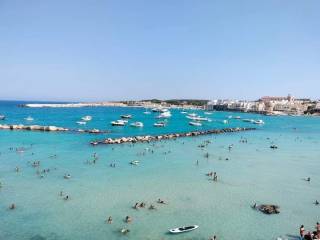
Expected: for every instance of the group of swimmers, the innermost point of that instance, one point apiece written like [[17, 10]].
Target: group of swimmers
[[213, 175], [310, 235]]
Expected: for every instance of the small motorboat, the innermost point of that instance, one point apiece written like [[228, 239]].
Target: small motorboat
[[147, 112], [184, 112], [135, 162], [166, 114], [258, 122], [67, 176], [208, 113], [136, 124], [197, 124], [225, 121], [159, 124], [86, 118], [128, 116], [82, 123], [29, 118], [183, 229], [2, 117], [118, 123]]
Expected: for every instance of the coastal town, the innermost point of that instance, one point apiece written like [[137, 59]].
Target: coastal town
[[267, 105]]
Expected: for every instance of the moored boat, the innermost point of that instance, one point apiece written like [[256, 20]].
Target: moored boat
[[135, 162], [198, 124], [183, 229], [118, 123], [86, 118], [29, 118], [258, 122], [136, 124], [128, 116], [159, 124], [166, 114]]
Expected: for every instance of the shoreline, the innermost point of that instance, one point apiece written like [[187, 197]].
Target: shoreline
[[149, 138]]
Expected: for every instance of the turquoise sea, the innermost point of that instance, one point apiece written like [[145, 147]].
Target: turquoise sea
[[253, 173]]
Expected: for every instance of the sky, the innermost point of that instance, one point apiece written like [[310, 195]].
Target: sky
[[87, 50]]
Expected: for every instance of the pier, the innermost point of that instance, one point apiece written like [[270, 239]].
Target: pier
[[48, 129], [149, 138]]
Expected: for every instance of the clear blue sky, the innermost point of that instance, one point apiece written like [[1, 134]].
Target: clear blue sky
[[112, 50]]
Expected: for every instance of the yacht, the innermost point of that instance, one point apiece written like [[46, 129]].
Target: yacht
[[159, 124], [166, 114], [86, 118], [29, 118], [195, 124], [126, 116], [192, 115], [136, 124], [258, 122], [118, 123], [2, 117]]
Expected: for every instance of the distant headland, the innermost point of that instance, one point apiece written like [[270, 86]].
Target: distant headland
[[265, 105]]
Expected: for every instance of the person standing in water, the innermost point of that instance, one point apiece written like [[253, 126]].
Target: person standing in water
[[301, 231]]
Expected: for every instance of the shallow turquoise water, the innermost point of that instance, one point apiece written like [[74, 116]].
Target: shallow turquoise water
[[254, 172]]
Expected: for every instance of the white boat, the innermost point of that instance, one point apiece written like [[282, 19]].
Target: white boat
[[166, 114], [146, 112], [225, 122], [183, 112], [2, 117], [237, 117], [126, 116], [195, 124], [136, 124], [159, 109], [159, 124], [118, 123], [29, 118], [207, 113], [183, 229], [258, 122], [193, 115], [135, 162], [198, 118], [82, 123], [230, 117], [86, 118]]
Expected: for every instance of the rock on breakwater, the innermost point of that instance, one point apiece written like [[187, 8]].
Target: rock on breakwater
[[149, 138]]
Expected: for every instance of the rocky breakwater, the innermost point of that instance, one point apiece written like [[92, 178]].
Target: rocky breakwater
[[47, 128], [149, 138]]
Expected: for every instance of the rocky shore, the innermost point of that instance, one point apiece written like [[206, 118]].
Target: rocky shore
[[47, 128], [149, 138]]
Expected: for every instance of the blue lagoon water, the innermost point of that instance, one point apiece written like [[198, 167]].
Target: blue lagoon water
[[167, 170]]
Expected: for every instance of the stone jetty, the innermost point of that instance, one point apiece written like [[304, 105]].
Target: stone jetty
[[48, 128], [149, 138]]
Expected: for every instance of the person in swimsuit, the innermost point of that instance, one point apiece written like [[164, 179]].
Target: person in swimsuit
[[301, 231]]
